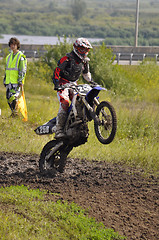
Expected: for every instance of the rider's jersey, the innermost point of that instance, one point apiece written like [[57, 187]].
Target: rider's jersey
[[69, 69]]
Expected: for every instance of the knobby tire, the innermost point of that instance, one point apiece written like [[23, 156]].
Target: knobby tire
[[108, 122]]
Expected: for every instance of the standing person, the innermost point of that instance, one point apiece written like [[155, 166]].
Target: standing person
[[69, 69], [15, 72]]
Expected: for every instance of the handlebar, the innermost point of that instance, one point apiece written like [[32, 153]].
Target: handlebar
[[73, 86]]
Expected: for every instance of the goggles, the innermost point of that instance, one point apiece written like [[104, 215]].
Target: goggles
[[83, 50]]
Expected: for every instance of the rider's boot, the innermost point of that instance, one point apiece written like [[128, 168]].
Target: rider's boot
[[60, 123]]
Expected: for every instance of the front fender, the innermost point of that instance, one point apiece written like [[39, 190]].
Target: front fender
[[99, 88], [93, 93]]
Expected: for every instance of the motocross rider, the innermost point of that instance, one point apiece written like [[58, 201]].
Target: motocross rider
[[69, 69]]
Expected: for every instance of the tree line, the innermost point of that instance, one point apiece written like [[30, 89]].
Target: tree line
[[112, 21]]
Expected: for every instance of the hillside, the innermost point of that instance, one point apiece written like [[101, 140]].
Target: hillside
[[113, 21]]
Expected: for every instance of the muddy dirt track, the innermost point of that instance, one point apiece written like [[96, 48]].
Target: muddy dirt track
[[119, 197]]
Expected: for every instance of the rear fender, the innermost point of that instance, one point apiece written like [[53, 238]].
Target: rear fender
[[47, 128]]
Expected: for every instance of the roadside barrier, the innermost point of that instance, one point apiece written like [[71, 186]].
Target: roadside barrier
[[129, 57]]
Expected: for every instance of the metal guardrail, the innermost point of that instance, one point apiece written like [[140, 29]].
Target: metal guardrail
[[28, 53], [130, 57], [135, 57], [34, 54]]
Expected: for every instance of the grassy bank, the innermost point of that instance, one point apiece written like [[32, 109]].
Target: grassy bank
[[25, 214]]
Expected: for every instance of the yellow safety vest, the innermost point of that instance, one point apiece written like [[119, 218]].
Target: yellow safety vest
[[12, 67]]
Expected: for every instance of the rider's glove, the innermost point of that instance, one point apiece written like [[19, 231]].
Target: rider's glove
[[59, 87]]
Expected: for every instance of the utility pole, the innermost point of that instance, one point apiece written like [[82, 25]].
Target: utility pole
[[137, 20]]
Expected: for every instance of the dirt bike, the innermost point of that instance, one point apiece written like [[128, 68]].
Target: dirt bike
[[85, 106]]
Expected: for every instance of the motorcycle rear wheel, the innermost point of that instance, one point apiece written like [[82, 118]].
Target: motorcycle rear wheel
[[106, 127], [56, 162]]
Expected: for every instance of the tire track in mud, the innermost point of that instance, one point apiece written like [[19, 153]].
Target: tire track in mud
[[120, 197]]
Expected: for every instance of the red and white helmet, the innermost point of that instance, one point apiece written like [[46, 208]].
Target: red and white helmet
[[81, 47]]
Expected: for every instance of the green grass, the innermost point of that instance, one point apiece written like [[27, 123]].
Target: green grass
[[25, 214]]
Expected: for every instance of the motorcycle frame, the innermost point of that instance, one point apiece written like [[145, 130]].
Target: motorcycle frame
[[91, 97]]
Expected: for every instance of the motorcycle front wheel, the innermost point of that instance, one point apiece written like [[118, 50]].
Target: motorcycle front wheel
[[55, 162], [106, 126]]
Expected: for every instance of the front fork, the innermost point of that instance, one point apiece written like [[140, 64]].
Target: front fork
[[96, 101], [92, 111]]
